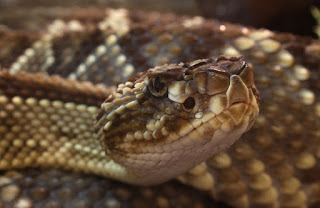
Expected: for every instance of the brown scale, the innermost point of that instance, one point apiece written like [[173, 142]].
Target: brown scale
[[12, 44], [56, 189], [72, 49], [161, 40], [54, 88]]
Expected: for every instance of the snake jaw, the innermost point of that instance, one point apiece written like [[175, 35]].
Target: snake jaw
[[177, 113]]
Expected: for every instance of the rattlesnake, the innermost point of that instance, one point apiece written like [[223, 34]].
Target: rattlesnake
[[47, 121]]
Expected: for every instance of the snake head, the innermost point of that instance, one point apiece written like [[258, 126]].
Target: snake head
[[165, 121]]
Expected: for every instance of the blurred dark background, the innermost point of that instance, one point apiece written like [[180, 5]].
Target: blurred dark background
[[281, 15]]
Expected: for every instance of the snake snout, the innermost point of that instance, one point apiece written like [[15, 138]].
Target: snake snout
[[237, 92]]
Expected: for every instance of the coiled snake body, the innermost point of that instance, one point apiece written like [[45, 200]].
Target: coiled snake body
[[175, 120]]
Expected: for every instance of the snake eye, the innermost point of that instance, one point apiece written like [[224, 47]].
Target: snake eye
[[189, 103], [157, 87]]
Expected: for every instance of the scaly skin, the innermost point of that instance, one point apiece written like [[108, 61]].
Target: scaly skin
[[275, 164], [133, 148]]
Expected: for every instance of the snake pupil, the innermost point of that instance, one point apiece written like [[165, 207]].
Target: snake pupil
[[158, 85], [189, 103]]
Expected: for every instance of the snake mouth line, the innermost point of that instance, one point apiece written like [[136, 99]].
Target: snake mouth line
[[204, 131]]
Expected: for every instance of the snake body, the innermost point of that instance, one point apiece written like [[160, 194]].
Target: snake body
[[174, 119]]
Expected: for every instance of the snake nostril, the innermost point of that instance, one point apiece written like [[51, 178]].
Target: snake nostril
[[189, 103], [237, 101]]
